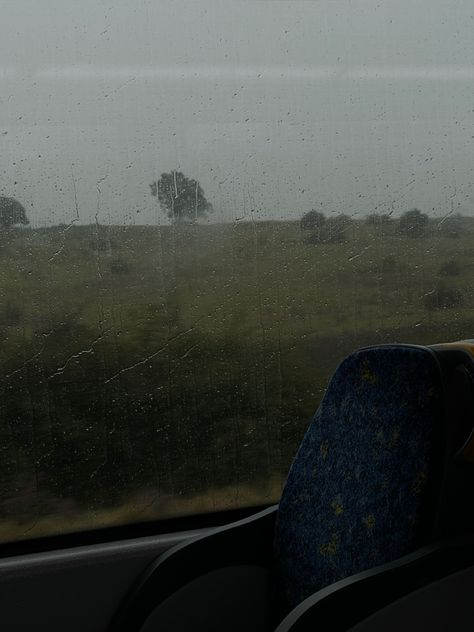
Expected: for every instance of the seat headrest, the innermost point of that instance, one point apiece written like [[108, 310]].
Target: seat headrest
[[362, 489]]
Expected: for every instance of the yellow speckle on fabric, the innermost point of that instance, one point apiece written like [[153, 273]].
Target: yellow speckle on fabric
[[367, 375], [330, 548], [369, 521], [337, 506], [323, 449], [420, 482]]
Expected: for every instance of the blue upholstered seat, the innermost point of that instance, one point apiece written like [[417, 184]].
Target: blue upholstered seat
[[362, 488]]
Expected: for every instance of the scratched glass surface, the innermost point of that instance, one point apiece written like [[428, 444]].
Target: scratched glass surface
[[204, 206]]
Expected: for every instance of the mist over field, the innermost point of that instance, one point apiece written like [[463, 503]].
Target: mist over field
[[275, 107]]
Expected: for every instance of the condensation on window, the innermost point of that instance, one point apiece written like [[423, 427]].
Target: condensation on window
[[204, 206]]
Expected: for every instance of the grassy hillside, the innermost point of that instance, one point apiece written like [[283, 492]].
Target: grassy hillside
[[149, 371]]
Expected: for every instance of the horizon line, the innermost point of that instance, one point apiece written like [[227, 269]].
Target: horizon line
[[131, 73]]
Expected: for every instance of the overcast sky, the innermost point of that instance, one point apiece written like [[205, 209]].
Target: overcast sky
[[276, 107]]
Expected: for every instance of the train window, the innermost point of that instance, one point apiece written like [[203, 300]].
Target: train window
[[203, 207]]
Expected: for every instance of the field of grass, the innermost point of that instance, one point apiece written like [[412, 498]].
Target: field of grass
[[152, 371]]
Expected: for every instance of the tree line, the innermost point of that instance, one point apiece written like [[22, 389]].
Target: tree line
[[413, 223], [183, 201]]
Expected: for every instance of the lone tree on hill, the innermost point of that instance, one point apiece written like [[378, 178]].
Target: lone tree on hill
[[315, 222], [11, 212], [312, 220], [181, 198], [413, 223]]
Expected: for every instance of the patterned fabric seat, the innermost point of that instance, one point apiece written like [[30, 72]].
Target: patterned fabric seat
[[363, 487]]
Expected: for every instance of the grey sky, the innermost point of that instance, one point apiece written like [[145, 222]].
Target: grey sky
[[276, 107]]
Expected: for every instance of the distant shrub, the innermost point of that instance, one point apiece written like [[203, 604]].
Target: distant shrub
[[413, 223], [451, 226], [443, 298], [332, 232], [120, 266], [336, 227], [12, 212], [450, 268], [335, 236], [102, 245], [313, 220]]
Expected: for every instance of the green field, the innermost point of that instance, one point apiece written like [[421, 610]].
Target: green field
[[151, 371]]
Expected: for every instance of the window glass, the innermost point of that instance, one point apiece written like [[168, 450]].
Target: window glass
[[204, 206]]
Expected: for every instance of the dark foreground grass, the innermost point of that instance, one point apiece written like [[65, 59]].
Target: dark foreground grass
[[153, 371]]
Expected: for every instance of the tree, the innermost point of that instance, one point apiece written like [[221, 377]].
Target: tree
[[335, 229], [331, 231], [315, 222], [312, 220], [413, 223], [181, 198], [11, 212]]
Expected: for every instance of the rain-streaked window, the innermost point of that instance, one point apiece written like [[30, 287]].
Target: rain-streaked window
[[204, 206]]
